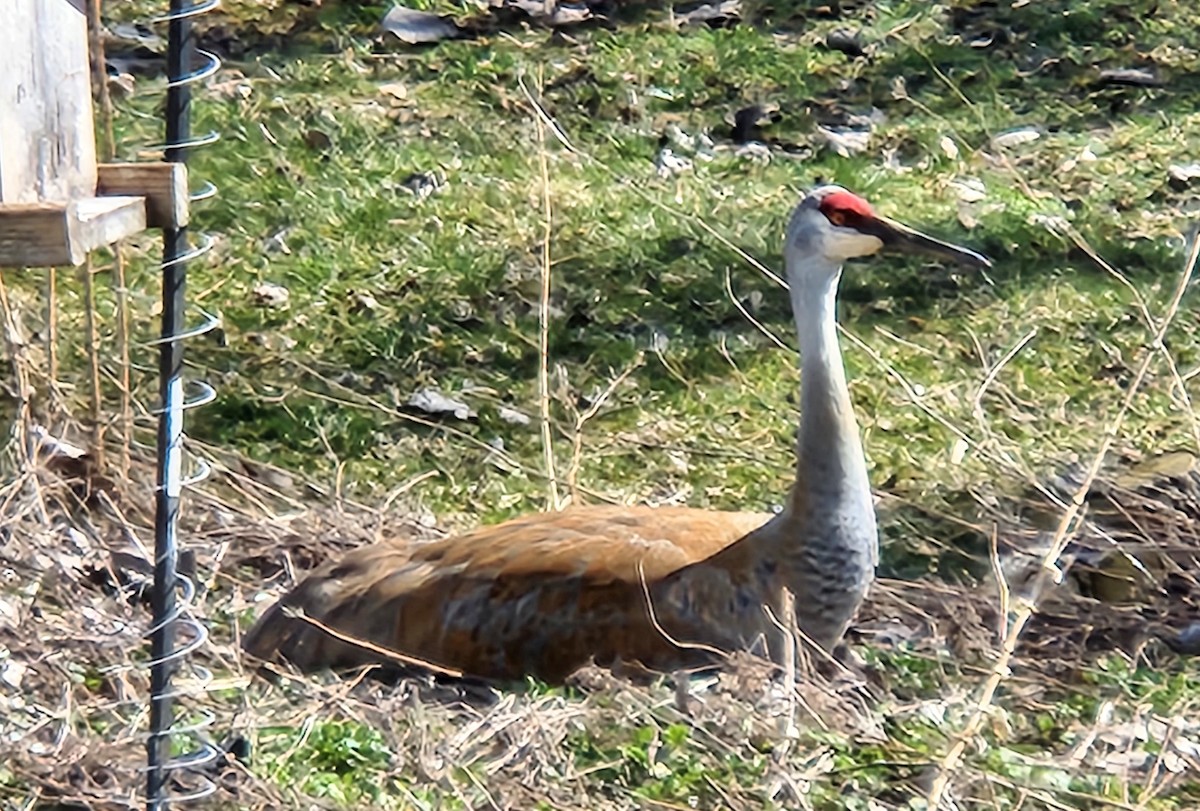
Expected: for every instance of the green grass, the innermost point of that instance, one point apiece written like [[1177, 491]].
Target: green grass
[[315, 153], [337, 760], [455, 274]]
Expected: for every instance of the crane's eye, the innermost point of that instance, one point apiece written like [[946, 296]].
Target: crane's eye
[[836, 217]]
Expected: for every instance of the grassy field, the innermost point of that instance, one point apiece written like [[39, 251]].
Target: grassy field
[[410, 201]]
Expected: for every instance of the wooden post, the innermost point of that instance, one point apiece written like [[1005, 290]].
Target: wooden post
[[47, 138], [56, 204]]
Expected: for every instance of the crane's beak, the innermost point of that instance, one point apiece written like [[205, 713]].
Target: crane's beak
[[900, 238]]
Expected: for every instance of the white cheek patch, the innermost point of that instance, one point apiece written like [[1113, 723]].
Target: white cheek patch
[[848, 243]]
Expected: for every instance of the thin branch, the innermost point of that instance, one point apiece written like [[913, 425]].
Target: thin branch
[[544, 307], [1139, 301], [1067, 526], [910, 390], [22, 433], [92, 347], [758, 325], [989, 378], [52, 335], [581, 419], [300, 614], [641, 569], [108, 149]]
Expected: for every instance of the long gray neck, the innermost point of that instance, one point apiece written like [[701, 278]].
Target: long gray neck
[[824, 546], [830, 463], [830, 546]]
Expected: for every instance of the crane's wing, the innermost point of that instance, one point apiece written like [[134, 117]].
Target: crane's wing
[[539, 595]]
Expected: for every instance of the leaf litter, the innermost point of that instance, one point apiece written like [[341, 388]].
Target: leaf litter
[[72, 693], [936, 620]]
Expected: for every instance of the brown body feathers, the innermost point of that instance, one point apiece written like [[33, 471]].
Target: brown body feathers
[[540, 595]]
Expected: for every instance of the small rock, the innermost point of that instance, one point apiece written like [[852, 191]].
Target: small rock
[[534, 8], [432, 401], [845, 142], [570, 13], [11, 673], [1129, 77], [415, 27], [1183, 174], [1012, 138], [754, 151], [512, 416], [396, 91], [708, 13], [969, 190], [266, 294], [667, 163], [848, 42], [1187, 641], [10, 615]]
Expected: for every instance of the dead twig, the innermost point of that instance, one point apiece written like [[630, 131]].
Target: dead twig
[[108, 149], [581, 419], [699, 646], [300, 614], [92, 348], [992, 373], [52, 336], [1067, 526], [544, 308]]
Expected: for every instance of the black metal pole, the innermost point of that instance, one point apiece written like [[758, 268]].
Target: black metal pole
[[180, 52]]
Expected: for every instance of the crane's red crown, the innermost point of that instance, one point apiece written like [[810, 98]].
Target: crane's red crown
[[847, 205]]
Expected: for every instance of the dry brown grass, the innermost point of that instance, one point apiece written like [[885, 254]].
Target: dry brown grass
[[75, 611]]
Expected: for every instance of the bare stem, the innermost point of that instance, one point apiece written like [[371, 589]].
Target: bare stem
[[52, 334], [92, 347], [120, 290], [544, 310], [1067, 526]]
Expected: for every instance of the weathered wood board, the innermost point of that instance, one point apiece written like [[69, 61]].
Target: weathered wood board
[[47, 136]]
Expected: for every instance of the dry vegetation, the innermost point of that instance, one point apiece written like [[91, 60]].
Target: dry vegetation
[[506, 220]]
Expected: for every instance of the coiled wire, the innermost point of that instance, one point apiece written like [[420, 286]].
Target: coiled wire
[[175, 634]]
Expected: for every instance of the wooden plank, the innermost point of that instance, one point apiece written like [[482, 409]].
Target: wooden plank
[[47, 138], [50, 234], [164, 185], [95, 222]]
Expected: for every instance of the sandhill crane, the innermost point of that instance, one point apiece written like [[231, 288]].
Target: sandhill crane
[[544, 594]]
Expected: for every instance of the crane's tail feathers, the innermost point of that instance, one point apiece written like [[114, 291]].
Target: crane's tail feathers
[[282, 633], [287, 631]]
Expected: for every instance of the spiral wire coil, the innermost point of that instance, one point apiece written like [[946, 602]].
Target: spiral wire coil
[[175, 634]]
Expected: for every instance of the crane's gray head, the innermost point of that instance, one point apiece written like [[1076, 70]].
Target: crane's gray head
[[831, 225]]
